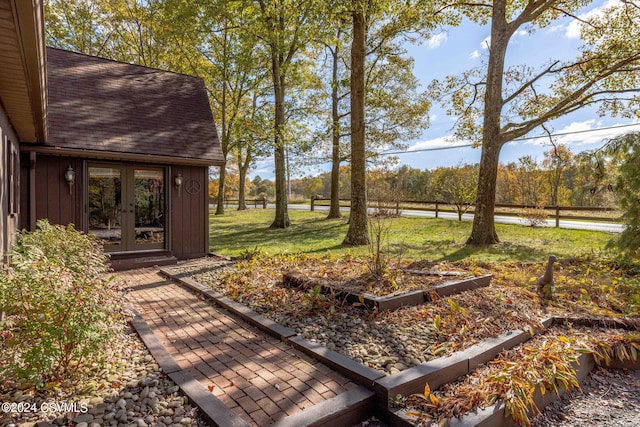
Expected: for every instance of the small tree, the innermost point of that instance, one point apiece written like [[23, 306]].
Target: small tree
[[457, 186]]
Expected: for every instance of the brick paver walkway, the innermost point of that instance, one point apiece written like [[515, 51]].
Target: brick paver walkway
[[257, 376]]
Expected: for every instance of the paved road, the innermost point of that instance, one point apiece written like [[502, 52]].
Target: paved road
[[576, 225]]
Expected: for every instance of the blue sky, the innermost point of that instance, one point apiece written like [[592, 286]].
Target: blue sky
[[464, 47]]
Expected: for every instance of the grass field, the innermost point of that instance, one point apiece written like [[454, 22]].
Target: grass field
[[414, 238]]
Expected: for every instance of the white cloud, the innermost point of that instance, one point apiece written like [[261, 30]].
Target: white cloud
[[437, 40], [433, 117], [486, 43], [573, 29], [474, 55], [587, 132], [556, 28], [441, 142]]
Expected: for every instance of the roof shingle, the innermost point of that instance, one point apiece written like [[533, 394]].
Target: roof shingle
[[108, 106]]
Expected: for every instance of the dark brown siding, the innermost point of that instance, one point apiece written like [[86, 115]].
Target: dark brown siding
[[53, 200], [188, 211], [9, 184], [189, 204], [24, 191]]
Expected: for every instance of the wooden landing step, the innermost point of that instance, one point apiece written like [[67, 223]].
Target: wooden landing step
[[121, 262]]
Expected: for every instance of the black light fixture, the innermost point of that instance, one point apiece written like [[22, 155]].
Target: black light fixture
[[70, 177]]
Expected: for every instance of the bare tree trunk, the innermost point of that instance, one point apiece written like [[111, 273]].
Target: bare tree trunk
[[484, 231], [334, 209], [282, 216], [242, 188], [220, 199], [243, 169], [358, 232], [225, 129]]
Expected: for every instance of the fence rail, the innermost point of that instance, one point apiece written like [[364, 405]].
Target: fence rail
[[436, 206], [262, 201]]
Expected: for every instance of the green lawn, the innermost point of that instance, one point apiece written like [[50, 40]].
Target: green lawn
[[417, 238]]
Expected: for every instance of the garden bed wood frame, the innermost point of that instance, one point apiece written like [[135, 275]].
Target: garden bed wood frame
[[297, 280]]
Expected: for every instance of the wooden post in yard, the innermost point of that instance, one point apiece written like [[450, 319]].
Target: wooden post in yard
[[557, 216], [313, 200]]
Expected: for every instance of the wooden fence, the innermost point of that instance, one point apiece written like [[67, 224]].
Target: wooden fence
[[262, 201], [437, 206]]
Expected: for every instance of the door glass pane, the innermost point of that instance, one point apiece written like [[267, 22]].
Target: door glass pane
[[105, 205], [149, 206]]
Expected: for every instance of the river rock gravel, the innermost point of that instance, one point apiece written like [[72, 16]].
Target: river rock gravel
[[128, 390], [609, 398]]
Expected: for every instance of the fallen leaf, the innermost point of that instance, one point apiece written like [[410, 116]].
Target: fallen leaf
[[211, 388]]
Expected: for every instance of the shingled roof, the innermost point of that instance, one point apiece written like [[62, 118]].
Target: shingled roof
[[116, 110]]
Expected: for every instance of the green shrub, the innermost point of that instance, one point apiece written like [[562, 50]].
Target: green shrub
[[60, 306], [627, 187]]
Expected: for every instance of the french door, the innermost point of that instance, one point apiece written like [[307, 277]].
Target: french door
[[127, 207]]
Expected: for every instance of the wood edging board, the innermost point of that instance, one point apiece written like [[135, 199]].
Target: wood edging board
[[443, 370], [344, 365], [457, 286], [346, 409], [494, 415], [394, 301]]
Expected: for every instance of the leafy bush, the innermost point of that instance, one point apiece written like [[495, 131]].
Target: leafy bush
[[534, 217], [627, 185], [60, 306]]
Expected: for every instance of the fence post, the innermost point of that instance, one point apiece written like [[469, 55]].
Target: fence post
[[398, 207], [557, 216], [436, 209], [313, 202], [264, 202], [255, 203]]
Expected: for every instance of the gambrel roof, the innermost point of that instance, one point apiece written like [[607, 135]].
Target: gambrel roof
[[116, 110]]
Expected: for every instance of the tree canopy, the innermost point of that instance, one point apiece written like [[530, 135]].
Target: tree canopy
[[502, 102]]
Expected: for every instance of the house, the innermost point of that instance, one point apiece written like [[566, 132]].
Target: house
[[121, 151]]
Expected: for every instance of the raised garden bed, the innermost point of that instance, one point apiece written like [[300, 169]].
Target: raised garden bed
[[387, 341], [556, 361], [298, 280], [468, 315]]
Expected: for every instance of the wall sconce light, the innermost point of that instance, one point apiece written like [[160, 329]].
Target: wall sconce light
[[178, 181], [70, 177]]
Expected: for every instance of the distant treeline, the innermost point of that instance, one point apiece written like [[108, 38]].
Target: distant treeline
[[562, 178]]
